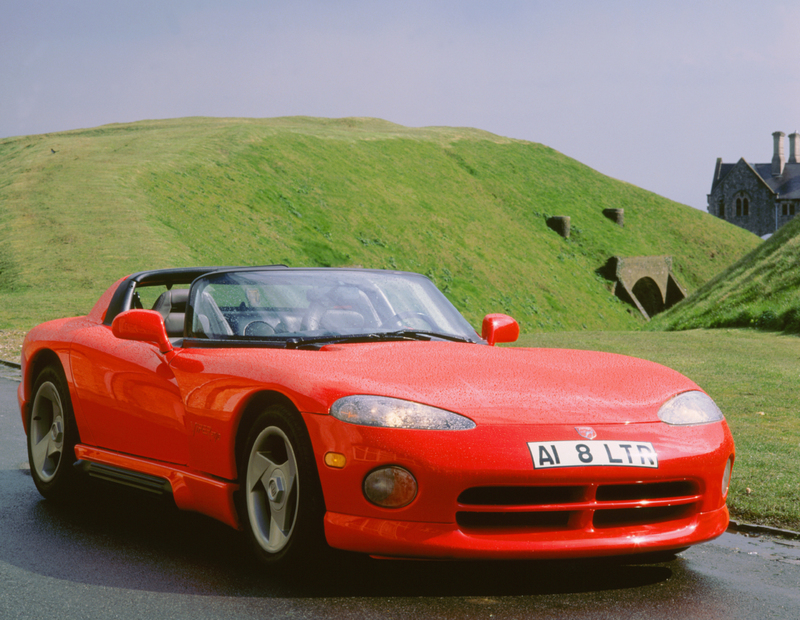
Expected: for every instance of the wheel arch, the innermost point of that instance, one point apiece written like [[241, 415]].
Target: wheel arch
[[250, 411]]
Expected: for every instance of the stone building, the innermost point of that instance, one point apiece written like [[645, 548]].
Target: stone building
[[759, 197]]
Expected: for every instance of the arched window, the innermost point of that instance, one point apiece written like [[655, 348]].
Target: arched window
[[742, 204]]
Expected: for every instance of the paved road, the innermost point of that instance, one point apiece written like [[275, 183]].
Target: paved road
[[114, 554]]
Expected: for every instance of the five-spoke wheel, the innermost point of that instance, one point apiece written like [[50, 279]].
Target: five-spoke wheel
[[272, 489], [51, 434], [280, 498]]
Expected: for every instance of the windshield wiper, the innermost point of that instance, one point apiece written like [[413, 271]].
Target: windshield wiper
[[399, 335], [417, 334]]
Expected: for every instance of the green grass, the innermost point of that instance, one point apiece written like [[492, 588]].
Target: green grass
[[761, 290], [463, 206], [753, 377]]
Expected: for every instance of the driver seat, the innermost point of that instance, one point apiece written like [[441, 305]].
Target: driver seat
[[171, 305]]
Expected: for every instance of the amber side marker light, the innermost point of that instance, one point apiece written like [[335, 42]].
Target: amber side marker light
[[335, 460]]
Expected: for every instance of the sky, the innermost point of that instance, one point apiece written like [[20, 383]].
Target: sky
[[649, 92]]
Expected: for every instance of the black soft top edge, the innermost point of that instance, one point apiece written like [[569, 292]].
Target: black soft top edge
[[162, 277]]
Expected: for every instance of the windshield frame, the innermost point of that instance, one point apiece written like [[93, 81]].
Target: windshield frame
[[362, 297]]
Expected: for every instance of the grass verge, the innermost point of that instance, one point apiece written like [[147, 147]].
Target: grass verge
[[11, 344]]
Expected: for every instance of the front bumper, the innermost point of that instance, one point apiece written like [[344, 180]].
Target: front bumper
[[387, 538], [481, 497]]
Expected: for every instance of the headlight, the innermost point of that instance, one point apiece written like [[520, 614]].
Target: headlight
[[396, 413], [690, 408]]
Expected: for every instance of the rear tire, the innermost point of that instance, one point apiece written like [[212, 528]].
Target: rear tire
[[52, 435], [280, 499]]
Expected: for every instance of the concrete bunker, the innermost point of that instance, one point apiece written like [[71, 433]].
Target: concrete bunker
[[645, 282], [616, 215], [560, 224]]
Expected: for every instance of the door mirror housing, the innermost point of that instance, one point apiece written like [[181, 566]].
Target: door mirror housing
[[499, 328], [142, 326]]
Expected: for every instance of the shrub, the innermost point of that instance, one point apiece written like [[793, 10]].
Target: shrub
[[768, 320]]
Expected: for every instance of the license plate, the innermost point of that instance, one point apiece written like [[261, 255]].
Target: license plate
[[549, 454]]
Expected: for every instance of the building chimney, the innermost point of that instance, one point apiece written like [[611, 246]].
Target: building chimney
[[794, 148], [777, 155]]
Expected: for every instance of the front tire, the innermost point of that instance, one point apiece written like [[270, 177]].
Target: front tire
[[52, 435], [280, 498]]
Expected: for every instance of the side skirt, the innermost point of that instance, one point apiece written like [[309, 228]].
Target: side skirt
[[143, 482], [190, 489]]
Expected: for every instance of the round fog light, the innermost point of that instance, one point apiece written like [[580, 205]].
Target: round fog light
[[390, 487], [726, 478]]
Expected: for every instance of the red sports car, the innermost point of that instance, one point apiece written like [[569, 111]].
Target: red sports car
[[358, 409]]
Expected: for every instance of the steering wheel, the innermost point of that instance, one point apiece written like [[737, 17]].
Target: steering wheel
[[258, 328]]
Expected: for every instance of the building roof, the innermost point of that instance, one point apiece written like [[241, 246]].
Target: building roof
[[786, 186]]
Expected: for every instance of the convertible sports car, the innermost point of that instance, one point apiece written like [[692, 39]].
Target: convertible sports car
[[358, 409]]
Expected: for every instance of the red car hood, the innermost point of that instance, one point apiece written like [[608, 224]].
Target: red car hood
[[505, 385]]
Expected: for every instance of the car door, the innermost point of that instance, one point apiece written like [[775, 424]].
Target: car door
[[129, 398]]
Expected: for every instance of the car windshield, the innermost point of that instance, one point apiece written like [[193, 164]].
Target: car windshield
[[291, 307]]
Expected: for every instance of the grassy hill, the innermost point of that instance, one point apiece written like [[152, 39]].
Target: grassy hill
[[760, 290], [79, 209]]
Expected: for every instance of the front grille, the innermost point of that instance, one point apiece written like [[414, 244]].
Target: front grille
[[516, 508], [520, 496], [639, 516], [645, 491], [513, 520]]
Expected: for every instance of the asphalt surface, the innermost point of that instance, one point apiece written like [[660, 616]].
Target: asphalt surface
[[112, 553]]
